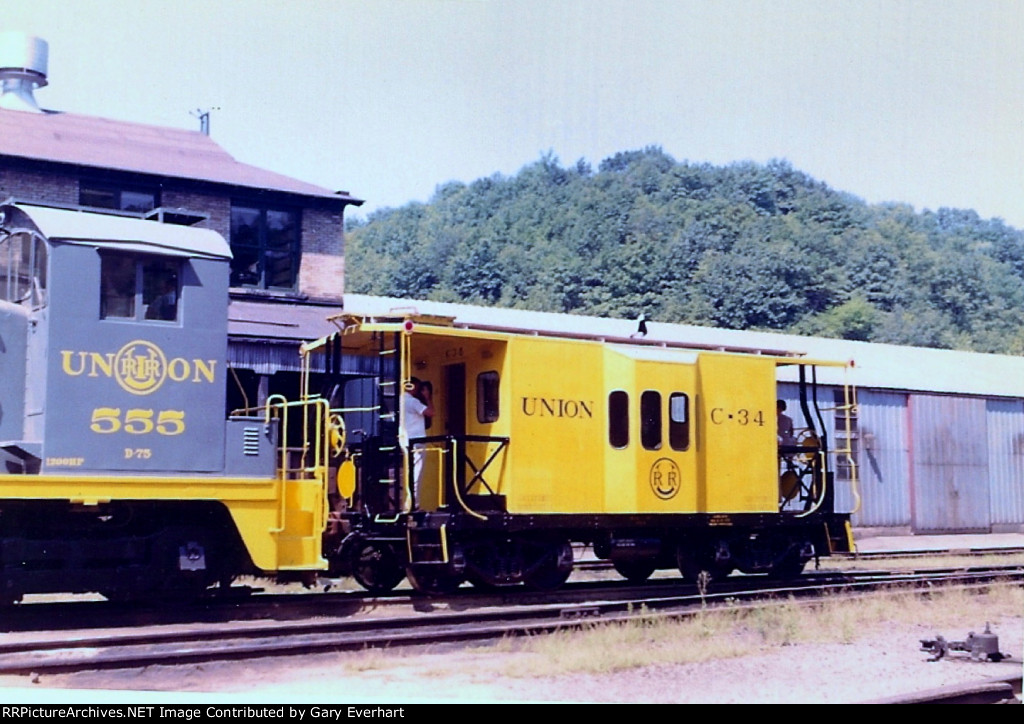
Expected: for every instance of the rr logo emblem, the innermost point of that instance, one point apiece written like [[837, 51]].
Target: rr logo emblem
[[665, 478]]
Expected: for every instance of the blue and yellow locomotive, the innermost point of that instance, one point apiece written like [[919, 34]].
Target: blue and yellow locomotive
[[124, 472]]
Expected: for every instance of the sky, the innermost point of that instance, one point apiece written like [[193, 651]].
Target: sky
[[912, 101]]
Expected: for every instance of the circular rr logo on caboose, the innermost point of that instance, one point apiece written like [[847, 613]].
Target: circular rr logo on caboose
[[665, 478], [140, 367]]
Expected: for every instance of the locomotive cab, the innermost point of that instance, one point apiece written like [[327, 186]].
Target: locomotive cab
[[132, 329], [121, 471]]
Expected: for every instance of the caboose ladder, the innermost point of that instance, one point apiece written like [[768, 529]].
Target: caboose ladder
[[388, 473]]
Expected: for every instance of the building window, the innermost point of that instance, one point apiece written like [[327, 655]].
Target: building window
[[113, 197], [265, 247], [650, 420], [678, 421], [618, 419], [487, 397], [139, 287]]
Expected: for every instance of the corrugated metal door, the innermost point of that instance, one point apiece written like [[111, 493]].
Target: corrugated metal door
[[883, 460], [1006, 461], [949, 451]]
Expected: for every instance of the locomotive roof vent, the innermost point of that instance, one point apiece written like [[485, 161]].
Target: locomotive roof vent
[[23, 61]]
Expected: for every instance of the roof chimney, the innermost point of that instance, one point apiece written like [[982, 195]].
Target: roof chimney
[[22, 70]]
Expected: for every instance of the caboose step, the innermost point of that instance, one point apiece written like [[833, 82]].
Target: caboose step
[[428, 545]]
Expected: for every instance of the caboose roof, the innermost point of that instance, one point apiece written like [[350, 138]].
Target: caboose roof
[[122, 233], [877, 366]]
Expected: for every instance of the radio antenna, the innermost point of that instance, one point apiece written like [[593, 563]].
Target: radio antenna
[[204, 118]]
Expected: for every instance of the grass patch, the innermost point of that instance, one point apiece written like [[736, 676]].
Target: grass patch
[[726, 632], [719, 632]]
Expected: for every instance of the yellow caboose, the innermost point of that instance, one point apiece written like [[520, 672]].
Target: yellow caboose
[[657, 455]]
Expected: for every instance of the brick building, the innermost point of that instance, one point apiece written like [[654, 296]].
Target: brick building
[[286, 235]]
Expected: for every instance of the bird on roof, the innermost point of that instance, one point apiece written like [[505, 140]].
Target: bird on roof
[[641, 327]]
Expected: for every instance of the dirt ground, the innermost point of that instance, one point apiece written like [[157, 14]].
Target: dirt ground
[[883, 664]]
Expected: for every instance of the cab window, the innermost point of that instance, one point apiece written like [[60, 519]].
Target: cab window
[[23, 270], [139, 287]]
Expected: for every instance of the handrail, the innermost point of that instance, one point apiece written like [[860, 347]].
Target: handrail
[[462, 456], [820, 498], [455, 482]]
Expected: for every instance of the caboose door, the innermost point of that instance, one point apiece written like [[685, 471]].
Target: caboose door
[[454, 394], [455, 415]]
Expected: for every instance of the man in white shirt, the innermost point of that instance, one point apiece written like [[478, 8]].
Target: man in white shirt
[[417, 406]]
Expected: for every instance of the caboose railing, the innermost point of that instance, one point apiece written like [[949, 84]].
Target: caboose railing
[[455, 463]]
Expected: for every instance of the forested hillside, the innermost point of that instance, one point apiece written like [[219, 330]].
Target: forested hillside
[[744, 246]]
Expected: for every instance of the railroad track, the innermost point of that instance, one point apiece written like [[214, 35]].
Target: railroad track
[[252, 604], [467, 617], [997, 690], [585, 563]]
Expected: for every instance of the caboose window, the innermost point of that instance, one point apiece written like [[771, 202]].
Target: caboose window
[[678, 421], [618, 419], [264, 247], [139, 287], [650, 420], [487, 396]]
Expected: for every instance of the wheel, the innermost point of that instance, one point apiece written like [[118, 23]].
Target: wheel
[[432, 583], [376, 567], [636, 571], [551, 569], [791, 567], [185, 561], [336, 434], [696, 567], [789, 486]]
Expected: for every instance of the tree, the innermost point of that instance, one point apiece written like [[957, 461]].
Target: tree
[[744, 246]]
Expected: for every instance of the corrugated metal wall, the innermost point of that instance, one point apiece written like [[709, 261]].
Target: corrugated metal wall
[[883, 461], [950, 465], [933, 463], [267, 358], [1006, 462]]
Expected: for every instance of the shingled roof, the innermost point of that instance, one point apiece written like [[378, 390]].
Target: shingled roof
[[110, 144]]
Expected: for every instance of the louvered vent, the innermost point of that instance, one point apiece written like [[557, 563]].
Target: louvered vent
[[251, 441]]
